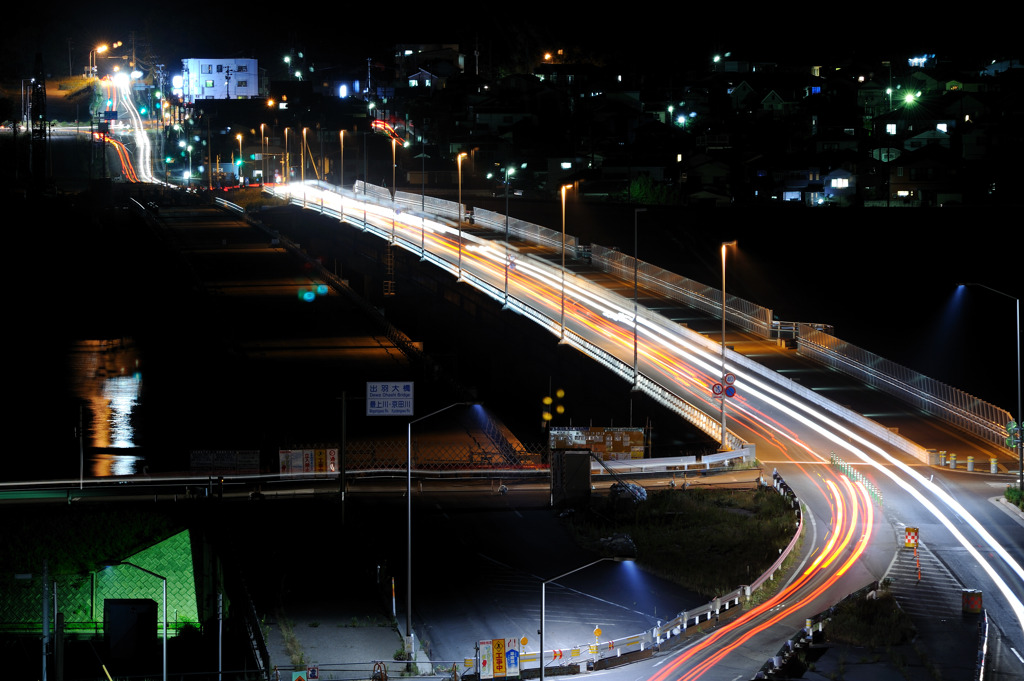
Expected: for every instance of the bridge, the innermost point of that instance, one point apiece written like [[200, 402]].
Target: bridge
[[588, 297]]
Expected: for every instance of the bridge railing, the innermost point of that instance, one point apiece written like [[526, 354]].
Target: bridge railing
[[934, 397], [944, 402]]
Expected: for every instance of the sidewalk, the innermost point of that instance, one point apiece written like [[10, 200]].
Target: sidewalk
[[345, 634]]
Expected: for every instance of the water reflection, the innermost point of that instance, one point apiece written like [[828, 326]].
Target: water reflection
[[106, 377]]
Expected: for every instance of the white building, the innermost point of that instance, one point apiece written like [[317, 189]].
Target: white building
[[219, 79]]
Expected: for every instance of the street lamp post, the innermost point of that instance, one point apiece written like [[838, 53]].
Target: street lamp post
[[1020, 407], [238, 166], [459, 159], [543, 602], [508, 171], [164, 580], [394, 192], [341, 138], [302, 161], [287, 167], [636, 289], [263, 153], [725, 444], [561, 336], [408, 523]]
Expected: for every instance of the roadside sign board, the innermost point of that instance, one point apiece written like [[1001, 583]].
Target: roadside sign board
[[498, 650], [486, 660], [389, 398], [511, 657]]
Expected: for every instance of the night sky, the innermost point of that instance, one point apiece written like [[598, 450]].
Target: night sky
[[337, 33]]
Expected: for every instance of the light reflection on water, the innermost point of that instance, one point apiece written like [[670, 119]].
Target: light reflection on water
[[107, 378]]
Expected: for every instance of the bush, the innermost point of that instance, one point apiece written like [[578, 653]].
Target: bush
[[873, 623], [1015, 496]]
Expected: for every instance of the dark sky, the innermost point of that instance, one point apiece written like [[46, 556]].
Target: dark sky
[[333, 33]]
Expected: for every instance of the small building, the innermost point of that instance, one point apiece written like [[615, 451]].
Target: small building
[[219, 79]]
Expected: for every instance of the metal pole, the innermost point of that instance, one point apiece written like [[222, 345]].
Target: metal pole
[[408, 540], [1020, 405], [540, 632], [459, 159], [543, 599], [561, 336], [506, 237], [1020, 413], [724, 446], [408, 523], [636, 287]]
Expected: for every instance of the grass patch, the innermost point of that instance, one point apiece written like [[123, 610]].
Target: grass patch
[[875, 623], [1015, 496], [678, 533], [291, 642]]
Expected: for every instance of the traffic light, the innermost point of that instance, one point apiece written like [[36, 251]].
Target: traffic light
[[1014, 433]]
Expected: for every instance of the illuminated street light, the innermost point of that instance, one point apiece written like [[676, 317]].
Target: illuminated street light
[[286, 168], [1020, 407], [508, 171], [459, 160], [263, 153], [636, 287], [302, 156], [409, 643], [341, 139], [561, 336], [725, 444], [543, 600]]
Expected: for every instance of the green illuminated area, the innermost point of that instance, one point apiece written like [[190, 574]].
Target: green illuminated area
[[172, 559], [86, 552]]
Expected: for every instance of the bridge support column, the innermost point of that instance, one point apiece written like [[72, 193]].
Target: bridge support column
[[952, 461], [993, 465], [970, 463]]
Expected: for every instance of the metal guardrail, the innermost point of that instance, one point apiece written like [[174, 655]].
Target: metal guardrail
[[934, 397], [703, 421], [597, 651]]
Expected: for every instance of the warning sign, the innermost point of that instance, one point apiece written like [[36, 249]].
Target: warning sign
[[486, 660], [910, 538], [498, 649]]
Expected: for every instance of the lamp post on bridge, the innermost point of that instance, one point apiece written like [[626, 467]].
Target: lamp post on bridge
[[636, 289], [1020, 409], [459, 161], [725, 443], [561, 337]]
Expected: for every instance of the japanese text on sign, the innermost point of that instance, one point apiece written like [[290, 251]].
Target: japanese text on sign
[[389, 398]]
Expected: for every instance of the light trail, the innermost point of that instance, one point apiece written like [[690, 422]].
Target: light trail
[[689, 369]]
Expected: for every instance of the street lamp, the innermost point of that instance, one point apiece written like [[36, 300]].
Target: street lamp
[[408, 523], [508, 171], [636, 288], [1020, 408], [459, 160], [92, 58], [394, 192], [263, 153], [725, 444], [561, 336], [543, 601], [164, 580], [341, 138], [287, 167], [302, 156]]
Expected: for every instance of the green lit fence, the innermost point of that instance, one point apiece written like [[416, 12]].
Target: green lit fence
[[80, 597]]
